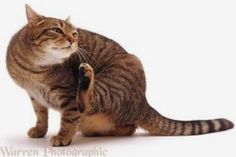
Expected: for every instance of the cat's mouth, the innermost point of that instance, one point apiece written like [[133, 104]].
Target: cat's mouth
[[66, 47], [61, 48]]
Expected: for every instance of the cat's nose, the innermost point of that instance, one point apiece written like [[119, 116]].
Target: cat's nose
[[71, 40]]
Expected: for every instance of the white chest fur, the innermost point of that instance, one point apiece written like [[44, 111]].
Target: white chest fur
[[42, 94]]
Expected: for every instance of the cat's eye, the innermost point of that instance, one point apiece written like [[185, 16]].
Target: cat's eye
[[75, 34], [58, 30]]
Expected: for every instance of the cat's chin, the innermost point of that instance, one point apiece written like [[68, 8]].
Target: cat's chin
[[53, 57]]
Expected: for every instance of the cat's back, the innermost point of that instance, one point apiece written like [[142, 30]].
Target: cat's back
[[96, 43], [99, 50]]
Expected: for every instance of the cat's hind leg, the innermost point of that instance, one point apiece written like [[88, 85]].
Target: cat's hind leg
[[86, 86], [97, 124]]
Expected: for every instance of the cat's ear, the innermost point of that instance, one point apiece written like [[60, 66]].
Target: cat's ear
[[68, 19], [32, 16]]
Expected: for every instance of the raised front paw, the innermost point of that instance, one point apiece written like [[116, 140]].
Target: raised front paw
[[57, 141], [86, 74], [37, 132]]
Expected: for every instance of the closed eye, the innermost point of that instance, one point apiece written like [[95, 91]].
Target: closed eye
[[58, 30]]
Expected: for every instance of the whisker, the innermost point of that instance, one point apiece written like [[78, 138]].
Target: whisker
[[83, 57], [78, 55], [88, 56]]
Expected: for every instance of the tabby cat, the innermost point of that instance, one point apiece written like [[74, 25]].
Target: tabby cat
[[96, 85]]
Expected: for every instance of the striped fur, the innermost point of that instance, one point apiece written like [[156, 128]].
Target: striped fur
[[157, 124], [96, 85]]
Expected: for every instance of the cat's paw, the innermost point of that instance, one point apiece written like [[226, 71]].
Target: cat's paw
[[36, 132], [57, 141], [86, 74], [85, 70]]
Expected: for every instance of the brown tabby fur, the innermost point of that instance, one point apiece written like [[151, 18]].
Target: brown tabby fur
[[96, 85]]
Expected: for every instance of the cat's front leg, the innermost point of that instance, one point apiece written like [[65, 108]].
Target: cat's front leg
[[69, 122], [41, 126]]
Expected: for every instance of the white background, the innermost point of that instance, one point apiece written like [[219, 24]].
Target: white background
[[188, 52]]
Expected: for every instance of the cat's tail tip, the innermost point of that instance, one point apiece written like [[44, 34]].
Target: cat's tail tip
[[228, 124]]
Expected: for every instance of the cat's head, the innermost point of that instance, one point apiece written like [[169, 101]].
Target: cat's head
[[53, 40]]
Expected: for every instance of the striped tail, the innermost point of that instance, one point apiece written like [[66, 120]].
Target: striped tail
[[157, 124]]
